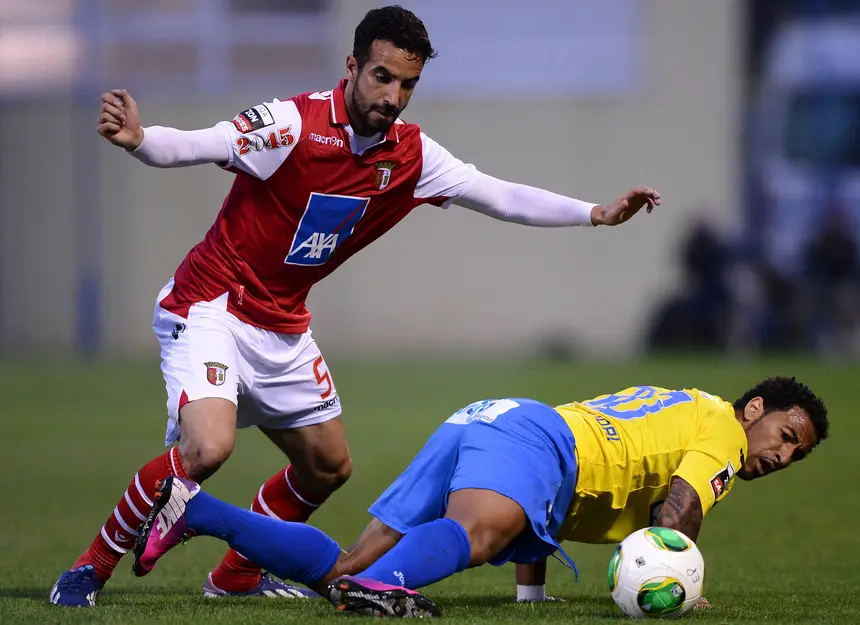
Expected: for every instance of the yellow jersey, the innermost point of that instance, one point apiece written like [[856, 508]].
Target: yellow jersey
[[630, 444]]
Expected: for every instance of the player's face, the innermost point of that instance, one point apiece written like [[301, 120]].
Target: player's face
[[376, 95], [775, 439]]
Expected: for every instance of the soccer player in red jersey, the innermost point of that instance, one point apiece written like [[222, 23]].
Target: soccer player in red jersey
[[318, 177]]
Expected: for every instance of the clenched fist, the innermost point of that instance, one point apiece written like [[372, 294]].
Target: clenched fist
[[119, 119]]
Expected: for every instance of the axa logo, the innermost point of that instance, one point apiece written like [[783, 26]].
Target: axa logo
[[333, 141], [317, 244], [328, 221]]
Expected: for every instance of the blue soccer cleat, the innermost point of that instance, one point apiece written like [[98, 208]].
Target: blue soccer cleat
[[268, 587], [77, 588]]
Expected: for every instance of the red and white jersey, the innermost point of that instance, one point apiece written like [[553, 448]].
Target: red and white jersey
[[305, 199]]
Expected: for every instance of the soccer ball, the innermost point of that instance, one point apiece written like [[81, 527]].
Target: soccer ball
[[656, 572]]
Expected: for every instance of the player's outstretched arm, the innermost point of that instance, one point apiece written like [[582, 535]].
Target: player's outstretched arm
[[682, 509], [158, 146], [522, 204], [447, 179]]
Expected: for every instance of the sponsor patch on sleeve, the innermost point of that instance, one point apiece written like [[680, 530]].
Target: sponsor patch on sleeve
[[253, 119], [720, 482]]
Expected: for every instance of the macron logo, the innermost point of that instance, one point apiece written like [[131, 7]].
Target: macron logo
[[326, 140]]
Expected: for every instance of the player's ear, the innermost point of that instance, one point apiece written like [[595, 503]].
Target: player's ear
[[351, 67], [753, 411]]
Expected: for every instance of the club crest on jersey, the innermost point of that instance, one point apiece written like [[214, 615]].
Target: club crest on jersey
[[329, 220], [722, 480], [216, 373], [383, 174]]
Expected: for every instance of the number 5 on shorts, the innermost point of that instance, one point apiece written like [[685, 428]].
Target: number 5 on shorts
[[322, 375]]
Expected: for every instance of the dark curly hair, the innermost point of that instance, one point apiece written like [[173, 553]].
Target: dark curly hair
[[395, 24], [781, 393]]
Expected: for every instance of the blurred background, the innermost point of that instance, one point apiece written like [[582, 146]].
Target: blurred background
[[744, 114], [586, 98]]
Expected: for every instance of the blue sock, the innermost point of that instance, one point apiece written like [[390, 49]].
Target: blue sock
[[293, 551], [424, 555]]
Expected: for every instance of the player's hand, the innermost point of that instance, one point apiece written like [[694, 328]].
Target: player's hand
[[119, 119], [702, 604], [625, 207]]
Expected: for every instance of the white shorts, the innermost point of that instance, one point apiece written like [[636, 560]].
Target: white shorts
[[276, 380]]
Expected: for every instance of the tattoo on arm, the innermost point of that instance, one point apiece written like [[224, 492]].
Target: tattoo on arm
[[682, 509]]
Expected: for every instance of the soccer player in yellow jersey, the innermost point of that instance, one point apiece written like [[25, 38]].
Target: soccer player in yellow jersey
[[508, 480]]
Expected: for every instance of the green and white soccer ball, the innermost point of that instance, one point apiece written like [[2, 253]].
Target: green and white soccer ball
[[656, 572]]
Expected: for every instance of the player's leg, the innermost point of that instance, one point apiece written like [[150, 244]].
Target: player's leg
[[350, 591], [293, 551], [410, 510], [478, 525], [290, 550], [320, 463], [198, 355], [508, 473], [295, 404], [207, 436], [491, 521]]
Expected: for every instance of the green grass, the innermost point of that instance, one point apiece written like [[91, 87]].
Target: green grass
[[782, 550]]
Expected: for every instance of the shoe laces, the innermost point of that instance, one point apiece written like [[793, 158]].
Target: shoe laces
[[79, 580]]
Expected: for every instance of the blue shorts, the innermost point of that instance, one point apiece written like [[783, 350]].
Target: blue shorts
[[519, 448]]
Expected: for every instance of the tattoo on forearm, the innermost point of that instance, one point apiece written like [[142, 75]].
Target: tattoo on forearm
[[682, 509]]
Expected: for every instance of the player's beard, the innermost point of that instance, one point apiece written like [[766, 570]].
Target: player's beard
[[370, 122]]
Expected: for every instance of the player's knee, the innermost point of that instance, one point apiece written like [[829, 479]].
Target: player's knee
[[207, 434], [343, 472], [484, 541], [334, 473], [202, 459], [490, 519], [329, 473]]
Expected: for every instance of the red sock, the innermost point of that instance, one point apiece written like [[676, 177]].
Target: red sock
[[118, 533], [279, 498]]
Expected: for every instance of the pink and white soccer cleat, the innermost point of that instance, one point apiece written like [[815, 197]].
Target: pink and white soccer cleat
[[166, 525], [366, 596]]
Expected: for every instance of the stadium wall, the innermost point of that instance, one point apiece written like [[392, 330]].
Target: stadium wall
[[445, 281]]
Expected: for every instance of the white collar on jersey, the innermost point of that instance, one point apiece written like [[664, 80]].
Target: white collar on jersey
[[358, 144]]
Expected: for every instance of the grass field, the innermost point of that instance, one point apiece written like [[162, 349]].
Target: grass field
[[782, 550]]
